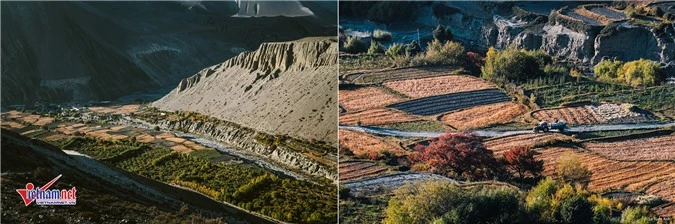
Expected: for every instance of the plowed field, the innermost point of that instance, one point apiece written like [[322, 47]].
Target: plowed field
[[481, 116], [401, 74], [500, 145], [658, 148], [366, 98], [377, 116], [572, 115], [450, 102], [652, 177], [354, 170], [417, 88], [362, 144]]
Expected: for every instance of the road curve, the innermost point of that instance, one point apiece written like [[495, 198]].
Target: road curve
[[486, 133]]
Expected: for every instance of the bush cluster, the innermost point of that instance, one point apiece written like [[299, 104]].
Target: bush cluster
[[518, 65], [640, 72], [442, 33], [381, 35], [354, 46], [547, 202]]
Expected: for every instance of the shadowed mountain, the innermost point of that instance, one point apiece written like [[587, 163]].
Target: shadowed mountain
[[64, 51]]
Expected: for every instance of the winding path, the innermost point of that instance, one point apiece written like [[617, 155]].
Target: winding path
[[487, 133]]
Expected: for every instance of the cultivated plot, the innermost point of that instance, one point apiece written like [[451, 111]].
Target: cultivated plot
[[657, 148], [377, 116], [450, 102], [359, 169], [650, 177], [482, 116], [366, 98], [418, 88], [400, 74], [572, 115], [502, 144], [362, 144]]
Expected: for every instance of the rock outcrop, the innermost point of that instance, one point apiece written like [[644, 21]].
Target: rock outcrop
[[244, 139], [575, 32], [281, 88]]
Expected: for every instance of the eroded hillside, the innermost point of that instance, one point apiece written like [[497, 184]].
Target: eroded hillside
[[281, 88]]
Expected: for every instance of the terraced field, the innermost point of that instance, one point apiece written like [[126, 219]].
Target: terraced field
[[424, 87], [658, 148], [652, 177], [400, 74], [572, 115], [361, 144], [366, 98], [482, 116], [357, 169], [376, 117], [450, 102], [501, 144], [665, 210]]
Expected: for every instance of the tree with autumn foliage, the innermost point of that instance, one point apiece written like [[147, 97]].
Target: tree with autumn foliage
[[459, 155], [522, 161]]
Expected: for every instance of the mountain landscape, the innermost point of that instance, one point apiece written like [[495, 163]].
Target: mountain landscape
[[171, 112]]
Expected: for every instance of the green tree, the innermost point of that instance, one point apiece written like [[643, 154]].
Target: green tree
[[442, 202], [375, 48], [576, 209], [442, 33], [635, 215]]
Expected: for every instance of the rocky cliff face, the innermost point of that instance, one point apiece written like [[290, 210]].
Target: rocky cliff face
[[63, 51], [243, 139], [582, 34], [281, 88]]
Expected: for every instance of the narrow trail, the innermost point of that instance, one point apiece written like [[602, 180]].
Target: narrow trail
[[487, 133]]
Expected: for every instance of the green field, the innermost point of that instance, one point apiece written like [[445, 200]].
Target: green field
[[248, 187], [657, 99]]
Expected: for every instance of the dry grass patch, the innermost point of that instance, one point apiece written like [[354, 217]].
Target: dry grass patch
[[418, 88], [571, 115], [377, 116], [502, 144], [362, 144], [366, 98], [652, 177], [657, 148], [13, 125], [482, 116], [181, 149]]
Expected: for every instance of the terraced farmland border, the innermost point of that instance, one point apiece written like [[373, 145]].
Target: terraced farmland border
[[360, 169], [363, 98], [376, 117], [434, 105], [432, 86], [637, 176], [645, 149], [362, 144], [482, 116], [572, 115], [381, 76]]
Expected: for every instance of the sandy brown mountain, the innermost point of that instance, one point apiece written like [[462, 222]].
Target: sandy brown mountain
[[280, 88]]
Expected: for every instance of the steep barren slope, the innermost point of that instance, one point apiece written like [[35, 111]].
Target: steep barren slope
[[63, 51], [281, 88]]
